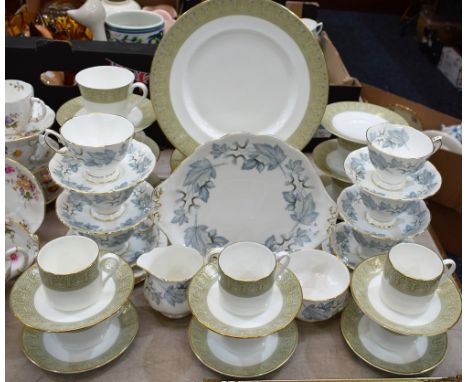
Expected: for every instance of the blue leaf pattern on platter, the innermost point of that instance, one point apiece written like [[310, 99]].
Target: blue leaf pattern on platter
[[203, 239]]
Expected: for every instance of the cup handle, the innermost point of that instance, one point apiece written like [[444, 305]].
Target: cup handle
[[143, 88], [449, 268], [437, 142], [42, 109], [64, 150], [23, 259], [213, 255], [109, 263], [318, 28], [280, 256], [41, 150]]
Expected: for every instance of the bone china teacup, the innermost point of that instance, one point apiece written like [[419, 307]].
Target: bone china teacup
[[73, 274], [107, 89], [19, 107], [412, 273], [397, 151], [98, 140], [247, 272]]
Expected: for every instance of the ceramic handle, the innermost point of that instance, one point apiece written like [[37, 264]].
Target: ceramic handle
[[143, 88], [42, 109], [280, 256], [437, 142], [318, 28], [64, 150], [41, 150], [449, 268], [109, 263], [23, 259], [213, 255]]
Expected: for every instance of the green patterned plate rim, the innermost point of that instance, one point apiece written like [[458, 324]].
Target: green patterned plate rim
[[210, 10], [449, 294], [33, 346], [176, 159], [287, 344], [340, 107], [73, 106], [24, 290], [320, 159], [201, 283], [434, 355]]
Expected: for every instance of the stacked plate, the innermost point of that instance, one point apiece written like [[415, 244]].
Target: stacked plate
[[385, 205], [348, 121]]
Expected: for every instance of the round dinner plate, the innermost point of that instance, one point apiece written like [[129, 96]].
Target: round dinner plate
[[238, 65]]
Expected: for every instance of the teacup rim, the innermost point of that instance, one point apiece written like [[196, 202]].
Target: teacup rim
[[124, 27], [86, 71], [24, 83]]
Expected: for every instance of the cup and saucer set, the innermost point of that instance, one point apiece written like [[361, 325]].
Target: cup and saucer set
[[74, 307], [102, 170]]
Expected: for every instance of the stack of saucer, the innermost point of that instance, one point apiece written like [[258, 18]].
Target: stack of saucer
[[244, 305], [74, 306], [348, 121], [103, 171], [385, 206], [26, 117], [405, 302]]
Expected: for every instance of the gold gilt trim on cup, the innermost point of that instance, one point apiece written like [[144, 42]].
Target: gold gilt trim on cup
[[242, 288], [409, 285], [72, 281], [104, 95]]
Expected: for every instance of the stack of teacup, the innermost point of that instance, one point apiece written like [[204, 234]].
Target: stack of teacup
[[385, 205], [26, 117]]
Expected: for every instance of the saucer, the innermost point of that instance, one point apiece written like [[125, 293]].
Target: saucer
[[141, 116], [424, 354], [24, 199], [176, 158], [328, 160], [424, 183], [343, 245], [46, 352], [443, 312], [49, 187], [34, 128], [18, 236], [204, 295], [30, 305], [236, 357], [137, 165], [74, 212], [413, 221]]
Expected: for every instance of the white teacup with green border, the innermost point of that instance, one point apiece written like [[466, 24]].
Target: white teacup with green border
[[412, 273], [107, 89], [73, 274], [247, 273]]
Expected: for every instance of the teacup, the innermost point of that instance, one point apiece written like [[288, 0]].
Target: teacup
[[72, 272], [31, 151], [135, 27], [19, 107], [108, 206], [98, 140], [170, 271], [107, 89], [397, 151], [115, 242], [313, 26], [412, 273], [247, 273], [370, 246], [324, 281]]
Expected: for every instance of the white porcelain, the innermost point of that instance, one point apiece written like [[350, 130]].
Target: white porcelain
[[252, 181], [411, 276], [120, 5], [135, 167], [335, 160], [170, 271], [24, 198], [324, 280], [107, 89], [354, 124], [98, 140], [247, 273], [369, 246], [313, 26], [135, 26], [397, 151], [73, 273], [92, 15], [449, 143], [342, 244], [21, 107], [420, 185], [85, 339]]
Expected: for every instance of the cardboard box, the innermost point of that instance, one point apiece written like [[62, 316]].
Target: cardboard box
[[450, 64]]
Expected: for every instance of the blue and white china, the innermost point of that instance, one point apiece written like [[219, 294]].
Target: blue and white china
[[413, 221], [170, 271], [116, 242], [324, 281], [136, 166], [420, 185], [135, 26], [449, 142], [370, 246], [108, 206], [343, 244], [397, 151], [454, 131], [74, 211], [100, 141], [245, 187]]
